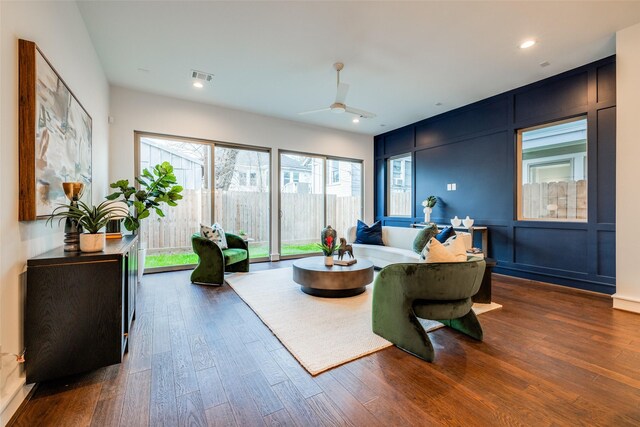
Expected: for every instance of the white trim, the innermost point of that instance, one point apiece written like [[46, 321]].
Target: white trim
[[17, 391], [626, 303]]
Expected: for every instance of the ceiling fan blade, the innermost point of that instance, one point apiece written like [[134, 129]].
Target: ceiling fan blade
[[361, 113], [314, 111], [341, 94]]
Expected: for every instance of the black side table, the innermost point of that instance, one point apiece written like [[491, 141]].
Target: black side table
[[484, 293]]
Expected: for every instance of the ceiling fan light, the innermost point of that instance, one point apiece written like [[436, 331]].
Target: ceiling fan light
[[338, 108]]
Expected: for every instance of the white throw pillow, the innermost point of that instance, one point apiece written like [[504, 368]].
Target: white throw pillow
[[215, 233], [453, 250], [222, 242]]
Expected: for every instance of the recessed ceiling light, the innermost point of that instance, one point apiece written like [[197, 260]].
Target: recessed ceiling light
[[198, 85], [356, 120], [527, 44]]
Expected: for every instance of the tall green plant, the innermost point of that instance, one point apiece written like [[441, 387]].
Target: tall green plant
[[157, 186]]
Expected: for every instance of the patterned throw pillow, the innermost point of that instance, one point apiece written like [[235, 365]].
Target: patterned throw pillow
[[215, 233], [453, 250]]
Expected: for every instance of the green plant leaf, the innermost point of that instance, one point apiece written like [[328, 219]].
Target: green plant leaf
[[113, 196]]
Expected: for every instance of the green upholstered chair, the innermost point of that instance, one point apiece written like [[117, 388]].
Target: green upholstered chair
[[438, 291], [213, 262]]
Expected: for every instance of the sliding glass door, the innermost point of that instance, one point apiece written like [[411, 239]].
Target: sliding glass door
[[241, 191], [316, 191], [301, 203], [222, 183]]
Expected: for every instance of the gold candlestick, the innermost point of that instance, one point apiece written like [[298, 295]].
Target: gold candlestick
[[72, 230]]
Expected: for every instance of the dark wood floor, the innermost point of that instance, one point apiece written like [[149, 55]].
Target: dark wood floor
[[200, 356]]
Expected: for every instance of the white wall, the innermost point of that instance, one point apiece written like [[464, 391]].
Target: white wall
[[58, 29], [138, 111], [627, 296]]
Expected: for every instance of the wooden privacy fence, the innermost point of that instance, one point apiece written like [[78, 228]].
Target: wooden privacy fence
[[565, 200], [302, 217], [401, 203]]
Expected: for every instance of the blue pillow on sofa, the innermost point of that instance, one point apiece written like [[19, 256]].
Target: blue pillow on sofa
[[445, 234], [366, 235]]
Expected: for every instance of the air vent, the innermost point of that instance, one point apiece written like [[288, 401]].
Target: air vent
[[201, 75]]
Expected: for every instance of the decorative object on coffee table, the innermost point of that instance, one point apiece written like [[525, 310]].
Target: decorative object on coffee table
[[320, 280], [54, 136], [428, 205], [72, 230], [328, 244], [345, 249], [455, 221]]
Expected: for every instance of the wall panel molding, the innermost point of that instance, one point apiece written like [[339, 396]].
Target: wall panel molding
[[475, 147]]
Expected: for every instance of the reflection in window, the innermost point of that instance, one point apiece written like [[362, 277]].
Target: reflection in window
[[399, 194], [553, 165]]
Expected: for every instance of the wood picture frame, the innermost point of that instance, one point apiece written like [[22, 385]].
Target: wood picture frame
[[54, 136]]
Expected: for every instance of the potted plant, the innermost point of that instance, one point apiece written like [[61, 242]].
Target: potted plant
[[329, 245], [428, 205], [91, 218], [157, 186]]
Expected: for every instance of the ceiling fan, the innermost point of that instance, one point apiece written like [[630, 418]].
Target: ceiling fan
[[339, 105]]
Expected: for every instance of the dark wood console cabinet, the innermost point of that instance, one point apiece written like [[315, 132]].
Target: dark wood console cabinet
[[79, 309]]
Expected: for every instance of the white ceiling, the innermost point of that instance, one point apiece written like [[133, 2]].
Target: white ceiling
[[275, 58]]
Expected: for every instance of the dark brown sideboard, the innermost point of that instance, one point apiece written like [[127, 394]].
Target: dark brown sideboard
[[79, 309]]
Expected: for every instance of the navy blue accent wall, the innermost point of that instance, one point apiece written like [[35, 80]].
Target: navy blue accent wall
[[475, 147]]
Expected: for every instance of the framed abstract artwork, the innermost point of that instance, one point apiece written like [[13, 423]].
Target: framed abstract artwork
[[54, 136]]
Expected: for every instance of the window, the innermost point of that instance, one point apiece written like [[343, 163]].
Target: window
[[296, 177], [253, 179], [242, 178], [286, 177], [399, 179], [334, 171], [552, 165]]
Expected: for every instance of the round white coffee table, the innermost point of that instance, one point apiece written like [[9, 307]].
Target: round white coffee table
[[332, 282]]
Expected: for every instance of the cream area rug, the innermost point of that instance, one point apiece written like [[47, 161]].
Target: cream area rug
[[320, 333]]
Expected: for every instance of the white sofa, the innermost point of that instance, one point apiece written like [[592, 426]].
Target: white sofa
[[398, 246]]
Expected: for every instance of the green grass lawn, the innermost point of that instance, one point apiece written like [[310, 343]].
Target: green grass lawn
[[255, 251]]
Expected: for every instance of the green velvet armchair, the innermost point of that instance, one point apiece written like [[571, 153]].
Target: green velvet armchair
[[213, 262], [438, 291]]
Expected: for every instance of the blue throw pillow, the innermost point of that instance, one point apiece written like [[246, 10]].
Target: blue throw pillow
[[445, 234], [369, 235]]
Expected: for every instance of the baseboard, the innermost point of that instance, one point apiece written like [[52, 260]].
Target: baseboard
[[626, 303], [15, 393]]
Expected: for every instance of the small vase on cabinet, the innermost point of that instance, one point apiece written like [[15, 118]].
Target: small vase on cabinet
[[427, 215]]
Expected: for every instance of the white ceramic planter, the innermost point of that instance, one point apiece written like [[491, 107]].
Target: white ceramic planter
[[92, 242], [328, 261]]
